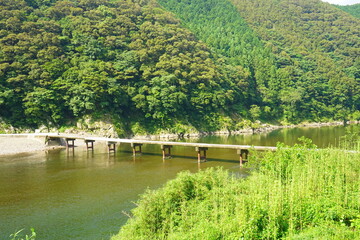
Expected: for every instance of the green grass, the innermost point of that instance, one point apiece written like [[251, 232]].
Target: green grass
[[295, 193]]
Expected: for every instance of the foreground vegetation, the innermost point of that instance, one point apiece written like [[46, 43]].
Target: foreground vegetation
[[294, 193]]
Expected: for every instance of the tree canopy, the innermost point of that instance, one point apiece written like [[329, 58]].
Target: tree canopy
[[132, 59], [302, 56], [161, 64], [352, 9]]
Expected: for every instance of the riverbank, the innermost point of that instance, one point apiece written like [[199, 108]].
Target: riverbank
[[22, 144], [262, 128]]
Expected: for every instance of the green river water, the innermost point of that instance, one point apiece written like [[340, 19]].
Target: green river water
[[83, 195]]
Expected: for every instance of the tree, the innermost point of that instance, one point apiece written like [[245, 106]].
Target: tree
[[42, 107]]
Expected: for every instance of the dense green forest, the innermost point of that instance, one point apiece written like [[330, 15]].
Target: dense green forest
[[307, 65], [220, 26], [128, 59], [352, 9], [317, 49], [204, 64]]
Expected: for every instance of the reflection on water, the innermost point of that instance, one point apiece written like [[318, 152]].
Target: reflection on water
[[321, 136], [82, 194]]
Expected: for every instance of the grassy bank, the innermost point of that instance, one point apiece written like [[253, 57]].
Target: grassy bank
[[295, 193]]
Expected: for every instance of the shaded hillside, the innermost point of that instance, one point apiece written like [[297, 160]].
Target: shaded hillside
[[306, 65], [352, 9], [128, 59], [317, 49], [219, 25]]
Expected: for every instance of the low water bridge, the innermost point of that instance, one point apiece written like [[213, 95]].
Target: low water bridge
[[200, 148]]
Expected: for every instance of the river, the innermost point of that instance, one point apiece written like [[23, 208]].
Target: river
[[86, 194]]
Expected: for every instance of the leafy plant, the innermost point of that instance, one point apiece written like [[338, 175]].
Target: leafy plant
[[18, 236]]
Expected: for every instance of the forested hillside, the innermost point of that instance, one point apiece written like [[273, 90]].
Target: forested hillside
[[312, 68], [352, 9], [219, 25], [204, 63], [317, 49], [128, 59]]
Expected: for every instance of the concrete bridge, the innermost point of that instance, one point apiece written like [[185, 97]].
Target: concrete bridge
[[165, 146]]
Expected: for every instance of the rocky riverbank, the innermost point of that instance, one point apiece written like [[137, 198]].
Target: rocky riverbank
[[262, 128], [14, 145], [22, 144]]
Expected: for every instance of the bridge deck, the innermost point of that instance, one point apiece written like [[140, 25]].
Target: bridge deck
[[200, 148], [185, 144]]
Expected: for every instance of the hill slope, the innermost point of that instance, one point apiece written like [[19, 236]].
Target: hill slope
[[318, 48], [137, 63], [352, 9], [313, 70], [220, 26], [128, 59]]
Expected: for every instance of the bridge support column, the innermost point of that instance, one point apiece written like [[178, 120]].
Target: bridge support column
[[70, 142], [243, 155], [51, 141], [111, 146], [91, 146], [134, 145], [203, 155], [166, 151]]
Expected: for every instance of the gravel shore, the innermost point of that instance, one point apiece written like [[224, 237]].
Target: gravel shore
[[15, 145]]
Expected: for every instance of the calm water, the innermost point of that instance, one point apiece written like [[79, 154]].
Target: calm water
[[82, 195]]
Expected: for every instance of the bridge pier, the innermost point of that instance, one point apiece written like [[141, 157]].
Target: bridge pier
[[203, 155], [243, 155], [91, 144], [70, 142], [111, 146], [134, 145], [166, 151]]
